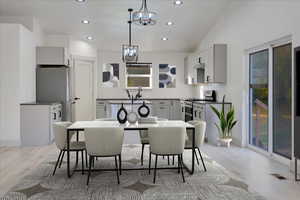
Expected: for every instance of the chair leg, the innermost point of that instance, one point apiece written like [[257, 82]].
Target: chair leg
[[120, 164], [89, 173], [93, 162], [58, 159], [181, 168], [173, 162], [178, 164], [86, 158], [82, 162], [62, 158], [168, 160], [76, 159], [196, 157], [117, 170], [142, 156], [150, 162], [155, 169], [202, 159]]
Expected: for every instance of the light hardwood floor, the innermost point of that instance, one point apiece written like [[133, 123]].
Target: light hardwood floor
[[253, 168]]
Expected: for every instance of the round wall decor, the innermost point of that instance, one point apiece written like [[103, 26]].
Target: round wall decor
[[144, 110], [122, 115]]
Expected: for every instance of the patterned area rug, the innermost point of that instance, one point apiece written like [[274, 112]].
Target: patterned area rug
[[215, 184]]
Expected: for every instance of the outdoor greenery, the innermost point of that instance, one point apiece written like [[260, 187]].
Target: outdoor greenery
[[226, 120]]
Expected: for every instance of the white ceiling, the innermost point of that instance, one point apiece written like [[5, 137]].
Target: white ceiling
[[109, 19]]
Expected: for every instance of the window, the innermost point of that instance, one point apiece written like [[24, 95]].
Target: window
[[139, 75]]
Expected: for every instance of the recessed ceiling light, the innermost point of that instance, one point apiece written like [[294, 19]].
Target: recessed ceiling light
[[178, 2], [89, 38], [81, 1], [164, 39], [85, 21], [170, 23]]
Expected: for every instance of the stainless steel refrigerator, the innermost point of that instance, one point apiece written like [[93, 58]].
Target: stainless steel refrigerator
[[52, 85]]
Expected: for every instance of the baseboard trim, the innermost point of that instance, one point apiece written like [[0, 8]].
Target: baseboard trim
[[10, 143]]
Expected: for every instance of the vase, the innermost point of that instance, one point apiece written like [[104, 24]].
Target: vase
[[224, 142]]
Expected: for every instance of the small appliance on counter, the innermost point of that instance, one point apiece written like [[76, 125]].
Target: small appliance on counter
[[210, 95]]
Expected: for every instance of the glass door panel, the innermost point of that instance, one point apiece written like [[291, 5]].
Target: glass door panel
[[259, 101], [282, 100]]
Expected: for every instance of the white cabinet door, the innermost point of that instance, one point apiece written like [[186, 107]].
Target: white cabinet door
[[161, 109], [103, 109], [175, 110]]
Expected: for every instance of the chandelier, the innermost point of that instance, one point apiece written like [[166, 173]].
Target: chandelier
[[130, 52], [144, 16]]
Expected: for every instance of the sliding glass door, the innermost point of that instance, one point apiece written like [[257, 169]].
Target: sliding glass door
[[270, 99], [282, 100], [259, 101]]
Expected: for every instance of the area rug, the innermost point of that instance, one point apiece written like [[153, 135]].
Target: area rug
[[215, 184]]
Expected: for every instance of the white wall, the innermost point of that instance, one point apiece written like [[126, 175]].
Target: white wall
[[9, 91], [155, 58], [243, 26], [17, 78]]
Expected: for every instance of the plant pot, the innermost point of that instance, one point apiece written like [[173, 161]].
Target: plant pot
[[224, 142]]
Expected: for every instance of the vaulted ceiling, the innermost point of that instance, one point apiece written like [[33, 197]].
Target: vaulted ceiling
[[109, 27]]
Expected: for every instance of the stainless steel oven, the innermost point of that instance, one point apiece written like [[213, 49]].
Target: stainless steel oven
[[188, 108]]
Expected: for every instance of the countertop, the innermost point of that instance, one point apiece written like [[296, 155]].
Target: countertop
[[127, 101], [39, 103]]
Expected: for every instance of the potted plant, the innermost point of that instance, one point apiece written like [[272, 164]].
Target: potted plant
[[226, 123]]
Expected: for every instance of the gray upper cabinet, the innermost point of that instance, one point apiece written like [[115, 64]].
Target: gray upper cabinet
[[52, 56], [208, 66], [217, 64]]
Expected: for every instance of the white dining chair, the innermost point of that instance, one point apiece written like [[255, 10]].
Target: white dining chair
[[200, 129], [167, 141], [60, 138], [144, 139], [104, 142]]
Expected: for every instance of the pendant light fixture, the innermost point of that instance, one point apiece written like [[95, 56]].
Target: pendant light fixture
[[130, 52], [144, 16]]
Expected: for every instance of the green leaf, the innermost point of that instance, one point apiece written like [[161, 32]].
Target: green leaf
[[215, 111]]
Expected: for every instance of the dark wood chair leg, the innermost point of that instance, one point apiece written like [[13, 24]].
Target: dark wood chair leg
[[155, 169], [168, 160], [76, 164], [150, 162], [82, 162], [62, 158], [58, 159], [202, 159], [142, 155], [89, 174], [120, 164], [181, 167], [196, 157], [117, 170]]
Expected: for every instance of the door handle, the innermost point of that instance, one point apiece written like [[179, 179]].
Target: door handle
[[76, 98]]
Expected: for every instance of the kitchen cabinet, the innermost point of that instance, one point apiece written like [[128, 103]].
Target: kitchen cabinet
[[207, 66], [161, 108], [215, 59], [199, 112], [52, 56], [168, 109], [103, 109], [37, 123]]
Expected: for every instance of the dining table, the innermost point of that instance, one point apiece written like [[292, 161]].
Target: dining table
[[79, 126]]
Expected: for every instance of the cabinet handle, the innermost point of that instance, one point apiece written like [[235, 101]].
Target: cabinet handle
[[54, 116], [207, 78], [195, 113], [59, 113], [104, 108]]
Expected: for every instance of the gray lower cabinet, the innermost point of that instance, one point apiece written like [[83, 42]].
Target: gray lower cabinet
[[199, 112], [103, 109], [168, 109], [36, 123]]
